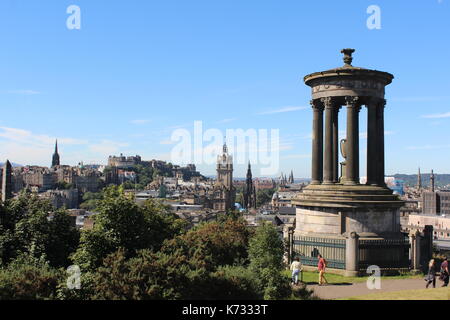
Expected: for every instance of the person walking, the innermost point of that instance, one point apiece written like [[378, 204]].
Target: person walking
[[444, 272], [296, 268], [431, 276], [321, 267]]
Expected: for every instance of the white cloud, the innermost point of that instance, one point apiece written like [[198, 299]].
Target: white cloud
[[27, 137], [25, 147], [437, 115], [282, 110]]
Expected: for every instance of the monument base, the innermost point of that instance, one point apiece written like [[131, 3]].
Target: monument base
[[337, 210], [352, 227]]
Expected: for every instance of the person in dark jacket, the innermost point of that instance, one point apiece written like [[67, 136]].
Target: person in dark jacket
[[444, 272], [431, 276]]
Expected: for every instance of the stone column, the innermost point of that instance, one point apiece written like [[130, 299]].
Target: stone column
[[328, 177], [352, 255], [414, 238], [317, 143], [372, 142], [336, 143], [428, 238], [380, 134], [352, 167]]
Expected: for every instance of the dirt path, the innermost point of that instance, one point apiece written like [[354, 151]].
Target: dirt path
[[336, 291]]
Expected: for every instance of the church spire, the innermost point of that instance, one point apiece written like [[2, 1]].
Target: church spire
[[55, 159]]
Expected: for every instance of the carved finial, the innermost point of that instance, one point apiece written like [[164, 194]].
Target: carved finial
[[348, 56]]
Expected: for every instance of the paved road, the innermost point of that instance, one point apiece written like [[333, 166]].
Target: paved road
[[336, 291]]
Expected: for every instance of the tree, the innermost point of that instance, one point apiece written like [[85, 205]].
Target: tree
[[213, 244], [32, 225], [29, 278], [121, 223], [168, 276], [264, 196], [147, 276], [91, 200], [266, 251]]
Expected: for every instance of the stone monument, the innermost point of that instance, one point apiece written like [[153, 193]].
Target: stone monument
[[335, 204]]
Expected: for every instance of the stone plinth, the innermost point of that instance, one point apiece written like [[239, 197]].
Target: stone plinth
[[336, 210]]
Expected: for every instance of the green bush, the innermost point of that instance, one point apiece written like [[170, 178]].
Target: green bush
[[29, 278]]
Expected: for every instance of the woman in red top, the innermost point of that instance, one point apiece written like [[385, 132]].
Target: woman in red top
[[321, 267]]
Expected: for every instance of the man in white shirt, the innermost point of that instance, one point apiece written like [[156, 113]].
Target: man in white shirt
[[296, 268]]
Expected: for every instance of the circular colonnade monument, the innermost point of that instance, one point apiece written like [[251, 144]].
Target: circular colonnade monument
[[335, 204]]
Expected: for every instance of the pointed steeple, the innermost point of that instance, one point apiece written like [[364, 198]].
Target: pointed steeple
[[249, 171], [291, 177], [55, 159]]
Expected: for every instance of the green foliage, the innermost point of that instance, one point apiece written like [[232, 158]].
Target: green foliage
[[26, 227], [213, 244], [263, 196], [121, 223], [147, 276], [136, 253], [91, 200], [162, 191], [150, 276], [266, 262], [29, 278], [234, 283], [62, 185]]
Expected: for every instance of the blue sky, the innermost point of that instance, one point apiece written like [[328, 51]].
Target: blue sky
[[137, 70]]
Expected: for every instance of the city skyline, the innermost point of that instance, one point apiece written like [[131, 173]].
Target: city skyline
[[124, 87]]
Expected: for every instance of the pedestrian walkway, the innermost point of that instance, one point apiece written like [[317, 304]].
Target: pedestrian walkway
[[337, 291]]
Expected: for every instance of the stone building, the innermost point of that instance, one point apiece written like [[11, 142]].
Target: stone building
[[87, 180], [224, 194], [436, 203], [62, 198], [123, 162], [441, 224], [40, 177]]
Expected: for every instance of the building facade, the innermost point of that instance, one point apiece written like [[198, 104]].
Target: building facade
[[224, 193]]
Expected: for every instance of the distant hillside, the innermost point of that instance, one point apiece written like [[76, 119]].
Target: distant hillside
[[13, 164], [441, 180]]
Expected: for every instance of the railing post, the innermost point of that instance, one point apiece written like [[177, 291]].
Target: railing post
[[352, 255], [414, 238], [291, 245], [428, 238]]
